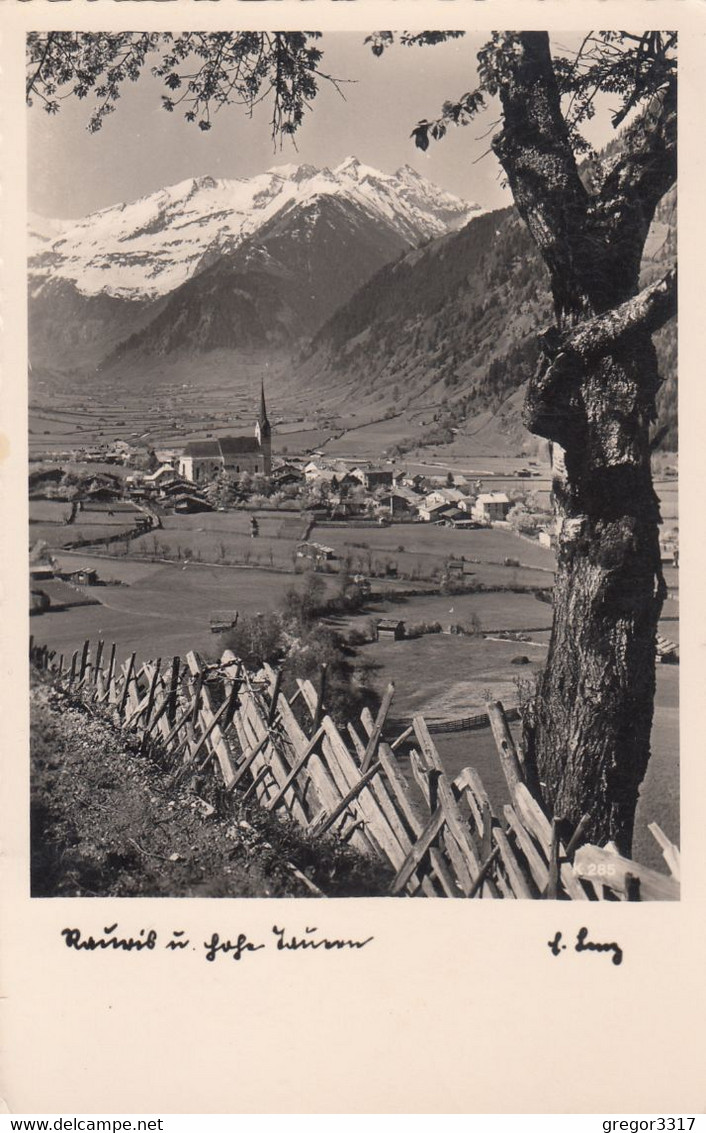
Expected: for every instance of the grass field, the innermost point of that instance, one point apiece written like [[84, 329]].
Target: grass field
[[448, 677], [495, 611], [94, 522], [159, 409], [369, 439], [659, 794], [421, 669], [417, 549], [48, 511], [225, 537], [164, 610]]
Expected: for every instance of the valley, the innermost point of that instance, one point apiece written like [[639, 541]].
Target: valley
[[162, 588], [413, 360]]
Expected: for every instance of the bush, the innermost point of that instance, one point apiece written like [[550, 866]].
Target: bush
[[358, 636], [257, 638], [344, 697], [303, 604]]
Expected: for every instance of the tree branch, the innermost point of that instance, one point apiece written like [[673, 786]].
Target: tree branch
[[30, 84], [648, 312], [552, 408], [646, 170], [536, 153]]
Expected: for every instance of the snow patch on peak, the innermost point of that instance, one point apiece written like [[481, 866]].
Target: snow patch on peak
[[44, 227], [292, 172], [409, 173], [205, 182]]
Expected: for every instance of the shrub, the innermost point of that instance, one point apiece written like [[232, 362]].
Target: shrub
[[302, 604], [257, 638]]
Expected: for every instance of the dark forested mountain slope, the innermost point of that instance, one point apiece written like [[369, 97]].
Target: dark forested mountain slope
[[275, 288], [457, 321]]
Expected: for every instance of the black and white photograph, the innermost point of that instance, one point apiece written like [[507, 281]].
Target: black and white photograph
[[352, 435]]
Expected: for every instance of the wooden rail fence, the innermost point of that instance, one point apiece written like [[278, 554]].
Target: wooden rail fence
[[387, 795]]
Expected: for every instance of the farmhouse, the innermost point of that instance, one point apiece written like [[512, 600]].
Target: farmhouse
[[40, 572], [491, 507], [413, 481], [286, 474], [161, 476], [449, 515], [667, 651], [455, 568], [429, 514], [86, 576], [190, 502], [102, 494], [372, 478], [202, 460], [443, 496], [399, 502], [312, 469]]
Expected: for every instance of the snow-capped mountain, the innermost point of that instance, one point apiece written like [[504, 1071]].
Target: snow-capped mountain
[[147, 248]]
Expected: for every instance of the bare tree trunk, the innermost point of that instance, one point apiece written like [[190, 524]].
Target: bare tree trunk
[[593, 397], [589, 741]]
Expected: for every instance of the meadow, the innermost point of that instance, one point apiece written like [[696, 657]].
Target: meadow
[[418, 549], [492, 612], [161, 609], [225, 537], [94, 522]]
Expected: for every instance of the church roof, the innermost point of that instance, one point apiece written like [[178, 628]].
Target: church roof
[[233, 446], [203, 448], [222, 448]]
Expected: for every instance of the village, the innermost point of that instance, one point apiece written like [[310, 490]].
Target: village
[[447, 577], [105, 511]]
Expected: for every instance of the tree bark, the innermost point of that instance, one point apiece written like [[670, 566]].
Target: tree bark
[[587, 734], [589, 739]]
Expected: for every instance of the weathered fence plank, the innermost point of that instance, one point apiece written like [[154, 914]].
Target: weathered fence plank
[[218, 739]]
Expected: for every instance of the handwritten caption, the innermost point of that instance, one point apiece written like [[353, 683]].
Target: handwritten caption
[[235, 946], [584, 944]]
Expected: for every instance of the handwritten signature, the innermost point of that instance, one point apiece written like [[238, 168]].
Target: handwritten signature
[[583, 944], [236, 946]]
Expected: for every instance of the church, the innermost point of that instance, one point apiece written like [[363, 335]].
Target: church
[[202, 460]]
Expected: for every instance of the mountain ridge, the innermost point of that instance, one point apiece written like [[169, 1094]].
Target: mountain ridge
[[276, 243], [153, 244]]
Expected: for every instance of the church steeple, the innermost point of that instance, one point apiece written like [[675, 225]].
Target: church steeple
[[263, 432], [263, 425]]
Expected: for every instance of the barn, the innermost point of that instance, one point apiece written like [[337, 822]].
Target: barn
[[390, 629]]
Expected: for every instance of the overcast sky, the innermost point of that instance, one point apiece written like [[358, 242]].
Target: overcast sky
[[142, 148]]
